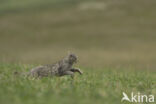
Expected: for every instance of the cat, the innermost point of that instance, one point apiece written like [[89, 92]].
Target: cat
[[61, 68]]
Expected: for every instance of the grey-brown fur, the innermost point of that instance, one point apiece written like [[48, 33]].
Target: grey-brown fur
[[61, 68]]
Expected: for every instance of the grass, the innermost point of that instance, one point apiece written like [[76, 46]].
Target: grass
[[114, 40], [101, 86]]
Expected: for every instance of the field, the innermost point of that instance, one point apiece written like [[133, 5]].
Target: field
[[100, 86], [114, 40]]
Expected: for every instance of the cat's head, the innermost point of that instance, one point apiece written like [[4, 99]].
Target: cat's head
[[72, 58]]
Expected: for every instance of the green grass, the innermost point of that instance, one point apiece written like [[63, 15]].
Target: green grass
[[115, 45], [100, 86]]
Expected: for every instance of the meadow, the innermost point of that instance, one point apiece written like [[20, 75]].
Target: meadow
[[114, 40], [100, 86]]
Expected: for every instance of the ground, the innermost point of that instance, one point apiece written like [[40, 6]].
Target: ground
[[113, 39], [100, 86]]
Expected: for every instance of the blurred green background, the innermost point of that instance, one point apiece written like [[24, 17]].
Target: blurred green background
[[103, 33]]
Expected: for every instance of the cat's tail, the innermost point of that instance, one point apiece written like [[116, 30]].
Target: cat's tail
[[16, 73]]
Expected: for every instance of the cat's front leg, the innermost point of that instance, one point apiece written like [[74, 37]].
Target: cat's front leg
[[76, 70]]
